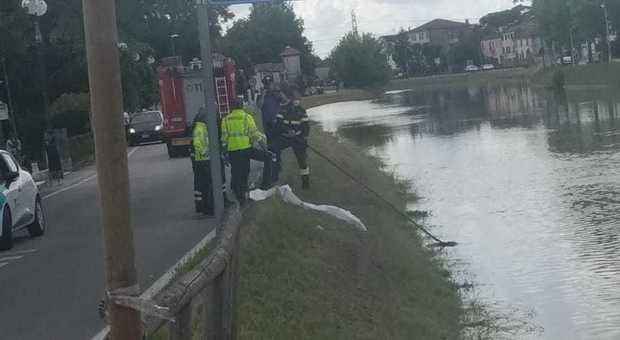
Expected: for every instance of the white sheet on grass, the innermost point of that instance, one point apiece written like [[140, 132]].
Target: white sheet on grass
[[287, 195]]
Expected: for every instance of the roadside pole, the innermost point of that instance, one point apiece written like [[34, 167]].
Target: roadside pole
[[211, 110], [9, 99], [111, 155]]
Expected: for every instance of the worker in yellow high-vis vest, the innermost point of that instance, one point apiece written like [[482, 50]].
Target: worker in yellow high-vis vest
[[239, 134], [203, 187]]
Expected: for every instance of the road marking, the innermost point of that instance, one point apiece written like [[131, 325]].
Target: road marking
[[165, 279], [3, 264], [11, 258], [57, 192], [88, 179], [20, 252]]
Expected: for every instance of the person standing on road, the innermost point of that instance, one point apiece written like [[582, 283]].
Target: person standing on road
[[293, 128], [54, 163], [239, 133], [203, 188]]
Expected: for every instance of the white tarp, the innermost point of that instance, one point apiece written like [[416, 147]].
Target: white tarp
[[287, 195]]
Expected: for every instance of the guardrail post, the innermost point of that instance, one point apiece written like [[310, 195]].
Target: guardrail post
[[182, 328], [215, 294], [230, 299]]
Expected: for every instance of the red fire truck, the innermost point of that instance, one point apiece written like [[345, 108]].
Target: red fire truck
[[182, 97]]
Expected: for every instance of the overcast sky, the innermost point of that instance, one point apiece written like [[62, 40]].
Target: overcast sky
[[328, 20]]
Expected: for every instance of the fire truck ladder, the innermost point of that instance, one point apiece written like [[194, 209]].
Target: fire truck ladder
[[223, 100]]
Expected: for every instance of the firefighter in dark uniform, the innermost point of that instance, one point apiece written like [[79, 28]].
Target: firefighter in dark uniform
[[293, 128], [203, 187], [239, 133]]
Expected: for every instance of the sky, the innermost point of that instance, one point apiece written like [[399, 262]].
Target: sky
[[327, 21]]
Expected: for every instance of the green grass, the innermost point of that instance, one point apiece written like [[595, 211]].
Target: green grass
[[300, 282], [500, 76], [582, 75], [335, 97]]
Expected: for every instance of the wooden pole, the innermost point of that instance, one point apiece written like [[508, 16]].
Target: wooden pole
[[111, 154]]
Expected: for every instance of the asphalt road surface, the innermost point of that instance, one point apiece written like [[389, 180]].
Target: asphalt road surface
[[50, 286]]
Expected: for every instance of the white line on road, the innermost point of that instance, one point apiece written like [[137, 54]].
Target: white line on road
[[20, 252], [11, 258], [88, 179], [3, 264], [165, 279]]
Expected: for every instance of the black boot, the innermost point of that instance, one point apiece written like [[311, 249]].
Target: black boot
[[305, 182]]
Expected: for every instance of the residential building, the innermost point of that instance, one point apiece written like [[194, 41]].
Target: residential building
[[441, 32], [516, 44], [286, 71]]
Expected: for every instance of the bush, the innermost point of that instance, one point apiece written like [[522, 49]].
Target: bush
[[71, 111]]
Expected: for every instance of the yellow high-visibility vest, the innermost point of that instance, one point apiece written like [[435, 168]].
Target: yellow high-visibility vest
[[200, 142], [239, 131]]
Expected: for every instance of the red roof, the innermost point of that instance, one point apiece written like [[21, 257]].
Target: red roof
[[289, 51]]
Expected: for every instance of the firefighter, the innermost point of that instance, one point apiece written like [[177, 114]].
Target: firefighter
[[239, 132], [293, 129], [203, 188]]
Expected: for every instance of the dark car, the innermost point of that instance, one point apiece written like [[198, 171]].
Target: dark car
[[145, 127]]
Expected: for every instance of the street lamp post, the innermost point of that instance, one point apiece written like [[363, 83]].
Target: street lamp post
[[38, 8], [606, 14], [172, 37]]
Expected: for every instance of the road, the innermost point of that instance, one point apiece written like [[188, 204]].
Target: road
[[50, 287]]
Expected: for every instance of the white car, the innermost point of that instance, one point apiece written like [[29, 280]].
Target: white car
[[488, 67], [472, 68], [20, 202]]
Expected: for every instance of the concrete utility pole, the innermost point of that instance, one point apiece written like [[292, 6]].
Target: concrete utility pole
[[106, 100], [211, 107]]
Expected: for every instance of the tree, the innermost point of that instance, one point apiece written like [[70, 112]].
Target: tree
[[144, 26], [359, 61], [268, 30]]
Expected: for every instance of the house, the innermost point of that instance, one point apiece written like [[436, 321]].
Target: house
[[288, 70], [277, 72], [441, 32], [292, 63], [515, 44]]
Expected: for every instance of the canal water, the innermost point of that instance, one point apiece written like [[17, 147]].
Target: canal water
[[528, 183]]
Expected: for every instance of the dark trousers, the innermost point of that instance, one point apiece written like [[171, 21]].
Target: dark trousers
[[299, 148], [240, 170], [203, 187]]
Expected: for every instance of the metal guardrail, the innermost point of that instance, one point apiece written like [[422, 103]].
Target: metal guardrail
[[212, 285]]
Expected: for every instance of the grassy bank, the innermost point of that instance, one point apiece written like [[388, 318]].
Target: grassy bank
[[463, 79], [336, 97], [581, 75], [308, 276]]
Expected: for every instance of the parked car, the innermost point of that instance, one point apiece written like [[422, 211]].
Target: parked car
[[20, 202], [488, 67], [472, 68], [145, 127]]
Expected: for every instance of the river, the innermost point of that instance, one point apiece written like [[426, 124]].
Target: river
[[528, 183]]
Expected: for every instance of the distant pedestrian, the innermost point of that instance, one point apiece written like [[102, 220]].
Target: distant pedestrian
[[14, 146], [239, 133], [54, 163], [293, 128]]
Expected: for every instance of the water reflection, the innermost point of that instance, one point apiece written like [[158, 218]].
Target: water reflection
[[526, 180]]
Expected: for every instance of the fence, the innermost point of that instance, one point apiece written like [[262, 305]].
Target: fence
[[202, 303]]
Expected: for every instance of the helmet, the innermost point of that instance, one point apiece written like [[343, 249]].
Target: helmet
[[238, 103]]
